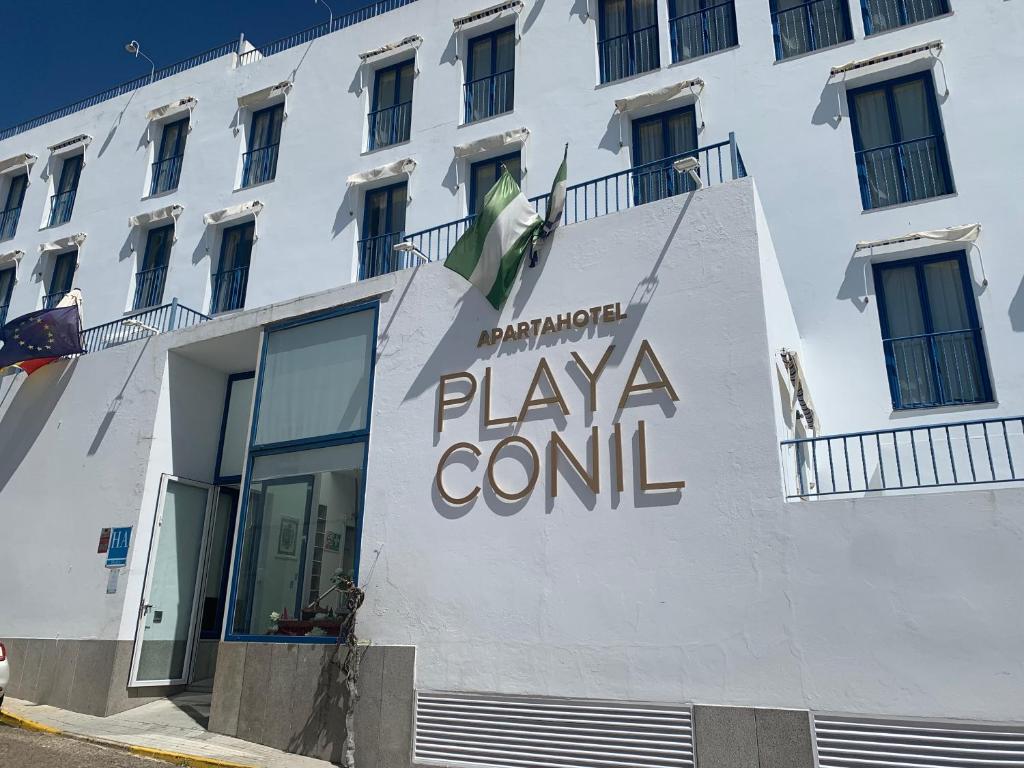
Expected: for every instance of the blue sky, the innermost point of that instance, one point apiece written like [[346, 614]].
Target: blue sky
[[59, 51]]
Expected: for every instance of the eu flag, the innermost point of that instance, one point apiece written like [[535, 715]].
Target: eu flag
[[44, 334]]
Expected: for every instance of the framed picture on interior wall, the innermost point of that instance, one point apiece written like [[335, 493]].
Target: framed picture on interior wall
[[288, 537], [333, 541]]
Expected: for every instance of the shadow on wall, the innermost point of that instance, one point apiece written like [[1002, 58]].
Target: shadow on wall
[[1017, 308], [581, 9], [830, 106], [115, 404], [855, 285], [323, 732], [29, 410]]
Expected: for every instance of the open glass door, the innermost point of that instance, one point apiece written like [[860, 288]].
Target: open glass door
[[168, 615]]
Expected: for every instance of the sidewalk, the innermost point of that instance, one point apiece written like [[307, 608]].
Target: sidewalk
[[171, 729]]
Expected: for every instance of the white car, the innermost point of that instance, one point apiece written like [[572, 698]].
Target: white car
[[5, 673]]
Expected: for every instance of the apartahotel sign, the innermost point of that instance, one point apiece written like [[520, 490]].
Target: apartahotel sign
[[458, 390]]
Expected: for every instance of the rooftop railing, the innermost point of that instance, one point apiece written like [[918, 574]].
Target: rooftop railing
[[141, 325], [985, 451]]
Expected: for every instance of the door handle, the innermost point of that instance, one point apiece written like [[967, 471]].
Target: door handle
[[144, 608]]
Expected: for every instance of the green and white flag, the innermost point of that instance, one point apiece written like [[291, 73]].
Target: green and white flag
[[556, 202], [489, 253]]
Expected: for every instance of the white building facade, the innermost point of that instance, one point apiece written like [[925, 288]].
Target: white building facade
[[734, 476]]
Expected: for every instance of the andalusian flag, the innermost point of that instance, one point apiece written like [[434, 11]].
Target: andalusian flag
[[489, 253], [556, 202]]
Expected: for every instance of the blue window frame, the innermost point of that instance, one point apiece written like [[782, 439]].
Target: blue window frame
[[167, 167], [232, 276], [490, 74], [215, 589], [62, 202], [898, 141], [802, 26], [483, 175], [61, 278], [304, 464], [658, 141], [883, 15], [627, 38], [931, 334], [701, 27], [152, 274], [391, 115], [259, 164], [6, 289], [383, 227], [12, 207], [241, 409]]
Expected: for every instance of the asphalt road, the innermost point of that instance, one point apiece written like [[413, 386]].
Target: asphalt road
[[27, 749]]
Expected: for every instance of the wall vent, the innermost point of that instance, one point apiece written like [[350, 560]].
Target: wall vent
[[520, 732], [854, 742]]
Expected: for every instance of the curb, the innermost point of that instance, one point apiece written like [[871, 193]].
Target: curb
[[176, 758]]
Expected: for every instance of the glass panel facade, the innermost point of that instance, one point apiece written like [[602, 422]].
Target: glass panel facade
[[235, 435]]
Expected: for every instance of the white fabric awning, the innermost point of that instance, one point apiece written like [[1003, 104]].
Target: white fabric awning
[[17, 162], [884, 58], [659, 95], [508, 8], [160, 214], [391, 170], [965, 233], [174, 108], [408, 43], [63, 244], [78, 142], [256, 98], [233, 213], [517, 136]]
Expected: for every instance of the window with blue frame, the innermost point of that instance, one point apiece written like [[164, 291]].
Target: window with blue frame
[[383, 227], [883, 15], [490, 74], [700, 27], [12, 206], [232, 276], [931, 332], [301, 518], [167, 166], [152, 274], [233, 437], [62, 202], [898, 141], [391, 115], [658, 141], [627, 38], [6, 289], [802, 26], [259, 164], [483, 175], [61, 278]]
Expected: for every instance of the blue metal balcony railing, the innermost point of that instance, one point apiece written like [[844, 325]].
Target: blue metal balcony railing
[[629, 54], [51, 300], [490, 95], [390, 125], [260, 165], [607, 194], [166, 174], [149, 287], [883, 15], [810, 27], [934, 369], [229, 290], [930, 456], [61, 206], [141, 325], [903, 172], [377, 255], [9, 222], [702, 32]]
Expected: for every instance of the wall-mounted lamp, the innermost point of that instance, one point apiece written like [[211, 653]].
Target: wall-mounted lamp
[[132, 47]]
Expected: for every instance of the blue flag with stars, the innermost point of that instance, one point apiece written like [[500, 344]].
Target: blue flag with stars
[[46, 333]]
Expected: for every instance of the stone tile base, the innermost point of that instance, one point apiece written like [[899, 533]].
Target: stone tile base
[[747, 737]]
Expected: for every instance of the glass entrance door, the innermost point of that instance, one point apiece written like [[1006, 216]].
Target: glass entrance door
[[168, 615]]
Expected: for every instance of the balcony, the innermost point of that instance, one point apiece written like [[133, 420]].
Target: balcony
[[61, 206], [149, 287], [51, 300], [809, 27], [935, 369], [629, 54], [166, 173], [260, 165], [390, 125], [141, 325], [489, 96], [883, 15], [906, 459], [377, 255], [702, 32], [9, 223], [903, 172], [229, 290]]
